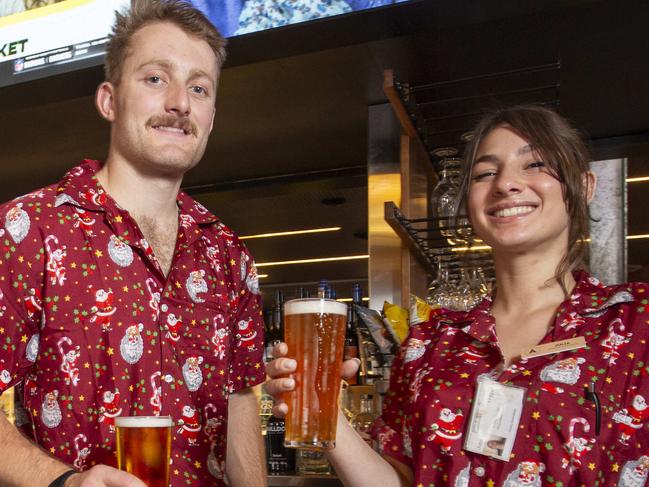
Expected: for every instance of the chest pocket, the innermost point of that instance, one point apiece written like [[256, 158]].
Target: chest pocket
[[201, 337]]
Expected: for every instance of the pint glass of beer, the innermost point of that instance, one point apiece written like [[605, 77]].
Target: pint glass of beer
[[315, 334], [144, 447]]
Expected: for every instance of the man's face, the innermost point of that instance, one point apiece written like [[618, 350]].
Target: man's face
[[163, 107]]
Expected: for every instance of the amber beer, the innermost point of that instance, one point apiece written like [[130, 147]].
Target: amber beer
[[315, 335], [144, 447]]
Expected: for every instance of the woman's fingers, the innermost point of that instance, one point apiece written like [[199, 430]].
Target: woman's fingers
[[280, 350], [280, 366], [275, 387], [280, 409]]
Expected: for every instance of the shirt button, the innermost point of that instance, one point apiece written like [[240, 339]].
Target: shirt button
[[479, 471], [168, 378], [164, 308]]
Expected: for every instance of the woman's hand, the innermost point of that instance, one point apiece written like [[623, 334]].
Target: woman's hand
[[281, 367]]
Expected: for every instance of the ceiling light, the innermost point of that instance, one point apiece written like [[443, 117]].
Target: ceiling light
[[636, 237], [312, 261], [292, 232], [349, 300], [637, 180], [262, 276]]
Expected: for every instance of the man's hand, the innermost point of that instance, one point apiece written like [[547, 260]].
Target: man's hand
[[281, 367], [103, 476]]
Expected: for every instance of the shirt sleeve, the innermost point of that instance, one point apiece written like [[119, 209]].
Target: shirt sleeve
[[21, 281], [247, 366], [392, 430]]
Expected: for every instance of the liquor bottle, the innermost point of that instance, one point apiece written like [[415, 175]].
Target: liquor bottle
[[351, 341], [323, 288], [361, 342], [265, 399], [278, 315], [363, 420], [279, 459], [312, 462]]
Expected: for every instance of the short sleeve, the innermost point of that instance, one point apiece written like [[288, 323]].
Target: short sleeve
[[392, 430], [21, 281], [247, 366]]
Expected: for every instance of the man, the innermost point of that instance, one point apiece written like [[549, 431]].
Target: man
[[123, 296]]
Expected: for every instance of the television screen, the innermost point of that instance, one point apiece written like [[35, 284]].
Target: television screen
[[44, 37]]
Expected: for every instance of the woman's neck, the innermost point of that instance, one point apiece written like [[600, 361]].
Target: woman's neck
[[526, 283]]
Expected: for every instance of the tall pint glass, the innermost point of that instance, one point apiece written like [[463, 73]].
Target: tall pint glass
[[144, 447], [314, 333]]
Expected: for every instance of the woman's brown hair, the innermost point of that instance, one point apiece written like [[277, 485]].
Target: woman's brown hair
[[566, 155]]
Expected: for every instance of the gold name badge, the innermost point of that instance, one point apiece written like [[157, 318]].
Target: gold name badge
[[554, 347]]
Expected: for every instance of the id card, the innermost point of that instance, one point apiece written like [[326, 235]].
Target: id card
[[495, 416]]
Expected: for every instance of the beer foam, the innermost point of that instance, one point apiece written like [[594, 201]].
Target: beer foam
[[143, 421], [315, 306]]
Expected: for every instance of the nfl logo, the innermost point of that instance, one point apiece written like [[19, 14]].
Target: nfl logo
[[19, 65]]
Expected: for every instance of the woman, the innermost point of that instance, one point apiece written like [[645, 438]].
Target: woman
[[555, 359]]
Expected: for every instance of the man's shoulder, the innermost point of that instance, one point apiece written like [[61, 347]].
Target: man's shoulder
[[40, 201]]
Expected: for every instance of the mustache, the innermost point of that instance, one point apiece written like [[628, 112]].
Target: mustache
[[168, 120]]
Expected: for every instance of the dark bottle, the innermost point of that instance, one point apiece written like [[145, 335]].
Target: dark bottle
[[323, 289], [278, 315], [351, 332], [279, 459]]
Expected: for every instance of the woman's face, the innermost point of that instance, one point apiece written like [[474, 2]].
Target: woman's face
[[515, 204]]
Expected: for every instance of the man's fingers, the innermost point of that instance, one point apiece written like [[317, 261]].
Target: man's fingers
[[280, 366], [350, 368]]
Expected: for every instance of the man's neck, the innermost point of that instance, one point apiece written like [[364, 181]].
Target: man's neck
[[142, 195]]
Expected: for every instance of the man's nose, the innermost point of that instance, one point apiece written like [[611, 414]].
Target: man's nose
[[178, 100]]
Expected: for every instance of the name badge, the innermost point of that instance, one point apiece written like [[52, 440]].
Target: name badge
[[554, 347], [495, 416]]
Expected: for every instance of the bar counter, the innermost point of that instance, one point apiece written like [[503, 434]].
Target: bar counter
[[303, 481]]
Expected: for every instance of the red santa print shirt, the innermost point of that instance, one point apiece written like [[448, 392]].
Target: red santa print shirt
[[434, 379], [93, 330]]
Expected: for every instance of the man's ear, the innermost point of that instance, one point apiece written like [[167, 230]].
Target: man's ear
[[212, 122], [105, 101], [590, 184]]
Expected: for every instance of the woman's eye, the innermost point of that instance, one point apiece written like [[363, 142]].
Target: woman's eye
[[536, 164], [483, 175]]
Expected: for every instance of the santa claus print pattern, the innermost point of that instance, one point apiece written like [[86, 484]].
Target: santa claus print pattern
[[560, 441], [94, 329]]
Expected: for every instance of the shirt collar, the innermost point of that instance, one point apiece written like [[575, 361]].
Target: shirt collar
[[589, 299], [80, 187]]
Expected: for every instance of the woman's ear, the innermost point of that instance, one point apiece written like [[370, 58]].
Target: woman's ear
[[590, 184]]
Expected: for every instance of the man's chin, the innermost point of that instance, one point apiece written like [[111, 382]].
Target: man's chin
[[170, 166]]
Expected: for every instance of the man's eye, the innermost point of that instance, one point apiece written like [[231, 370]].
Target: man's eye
[[199, 90], [154, 79]]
